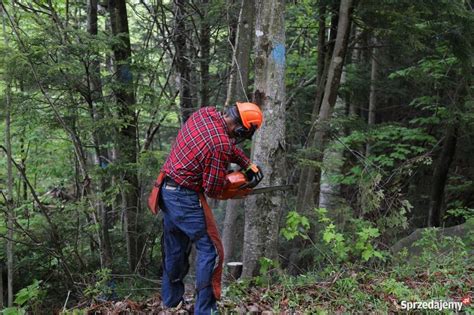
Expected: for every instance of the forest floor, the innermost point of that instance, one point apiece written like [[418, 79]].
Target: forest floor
[[350, 290]]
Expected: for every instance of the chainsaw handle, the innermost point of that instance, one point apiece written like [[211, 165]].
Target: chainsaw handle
[[255, 176]]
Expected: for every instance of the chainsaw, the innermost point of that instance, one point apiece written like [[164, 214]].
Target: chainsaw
[[235, 187]]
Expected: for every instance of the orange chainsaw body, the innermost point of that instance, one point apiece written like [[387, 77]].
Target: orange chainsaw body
[[233, 182]]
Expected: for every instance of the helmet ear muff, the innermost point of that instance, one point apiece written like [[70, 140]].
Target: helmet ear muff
[[243, 132], [240, 131]]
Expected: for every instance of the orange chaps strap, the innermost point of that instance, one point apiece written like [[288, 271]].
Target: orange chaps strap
[[154, 197], [213, 233]]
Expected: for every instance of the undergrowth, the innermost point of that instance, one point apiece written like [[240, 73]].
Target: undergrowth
[[444, 270]]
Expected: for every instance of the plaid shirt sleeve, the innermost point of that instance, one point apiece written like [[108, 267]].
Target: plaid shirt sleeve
[[239, 157], [213, 177]]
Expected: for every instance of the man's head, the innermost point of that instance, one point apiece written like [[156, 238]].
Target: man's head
[[243, 119]]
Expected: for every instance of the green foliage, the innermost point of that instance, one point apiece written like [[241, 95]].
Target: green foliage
[[100, 286], [344, 247], [268, 268], [266, 264], [26, 299], [440, 252], [396, 288], [30, 294], [352, 289], [364, 246], [336, 242], [391, 145], [463, 212], [296, 226], [13, 311]]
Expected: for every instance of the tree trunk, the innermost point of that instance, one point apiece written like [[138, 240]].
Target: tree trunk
[[182, 62], [355, 59], [237, 90], [304, 202], [322, 49], [99, 136], [229, 234], [9, 200], [329, 191], [127, 140], [239, 76], [205, 46], [440, 176], [262, 213], [321, 125], [373, 93]]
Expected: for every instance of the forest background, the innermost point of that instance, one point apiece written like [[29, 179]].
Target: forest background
[[369, 114]]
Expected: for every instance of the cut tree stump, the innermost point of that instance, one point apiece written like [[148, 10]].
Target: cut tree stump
[[234, 269]]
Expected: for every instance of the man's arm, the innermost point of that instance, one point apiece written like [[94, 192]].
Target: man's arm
[[239, 157], [213, 178]]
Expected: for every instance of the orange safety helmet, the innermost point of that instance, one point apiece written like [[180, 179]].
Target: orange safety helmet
[[250, 114]]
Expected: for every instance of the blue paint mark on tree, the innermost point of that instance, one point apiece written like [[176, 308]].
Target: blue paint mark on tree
[[125, 74], [278, 54]]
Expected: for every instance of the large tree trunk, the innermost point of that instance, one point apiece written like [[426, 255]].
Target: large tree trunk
[[262, 213], [321, 125], [9, 196], [182, 61], [96, 106], [237, 91], [440, 176], [127, 139]]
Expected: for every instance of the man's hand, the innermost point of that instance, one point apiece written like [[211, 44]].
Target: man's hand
[[254, 175]]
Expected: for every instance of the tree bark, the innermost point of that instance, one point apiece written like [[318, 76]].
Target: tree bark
[[440, 176], [128, 134], [182, 61], [205, 47], [322, 49], [230, 230], [329, 191], [355, 59], [262, 213], [238, 81], [237, 90], [373, 93]]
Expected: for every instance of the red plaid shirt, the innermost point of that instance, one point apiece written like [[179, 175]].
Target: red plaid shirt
[[202, 152]]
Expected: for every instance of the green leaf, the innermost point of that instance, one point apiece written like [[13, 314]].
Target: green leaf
[[366, 254], [13, 311]]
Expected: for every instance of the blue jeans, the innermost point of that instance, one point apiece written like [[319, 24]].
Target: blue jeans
[[184, 225]]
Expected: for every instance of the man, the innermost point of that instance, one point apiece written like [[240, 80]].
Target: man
[[198, 164]]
